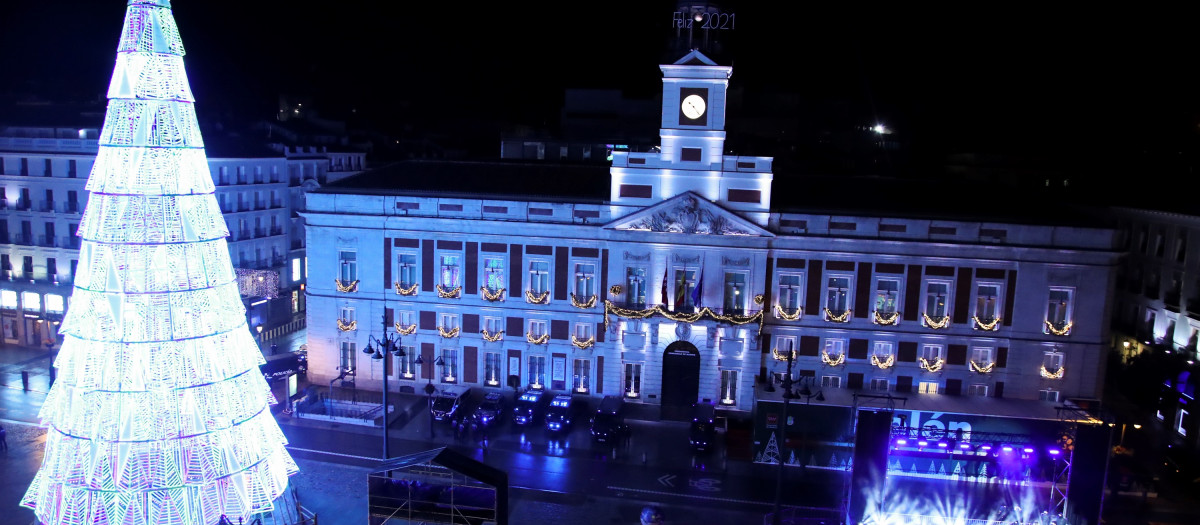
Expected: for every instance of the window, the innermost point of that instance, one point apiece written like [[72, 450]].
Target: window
[[347, 314], [491, 369], [729, 387], [31, 301], [450, 270], [539, 277], [348, 356], [8, 299], [981, 355], [348, 266], [493, 274], [685, 284], [977, 390], [837, 294], [537, 372], [407, 363], [931, 353], [295, 269], [1058, 309], [633, 379], [1181, 246], [450, 365], [54, 304], [581, 376], [537, 328], [927, 387], [1052, 361], [493, 325], [789, 293], [449, 322], [883, 349], [879, 384], [585, 281], [835, 347], [52, 269], [1180, 415], [635, 279], [831, 381], [735, 293], [406, 273], [583, 331], [1048, 395], [887, 292], [987, 302]]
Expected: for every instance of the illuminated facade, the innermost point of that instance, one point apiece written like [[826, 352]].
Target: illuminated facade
[[159, 414]]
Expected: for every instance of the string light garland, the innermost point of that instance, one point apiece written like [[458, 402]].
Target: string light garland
[[449, 334], [539, 298], [932, 366], [539, 340], [346, 327], [659, 310], [451, 293], [783, 356], [583, 305], [840, 318], [759, 299], [982, 369], [615, 290], [490, 337], [883, 364], [1056, 374], [345, 287], [1053, 330], [833, 361], [936, 323], [491, 296], [405, 330], [582, 344], [887, 319], [788, 316], [989, 326], [411, 290]]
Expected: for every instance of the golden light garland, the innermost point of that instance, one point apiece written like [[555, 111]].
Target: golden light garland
[[841, 318], [489, 296], [1066, 329], [536, 299], [583, 305], [411, 290], [936, 324], [350, 287], [615, 289], [983, 369], [453, 293], [1057, 374], [759, 298], [540, 340], [933, 366], [453, 332], [782, 356], [490, 337], [833, 361], [627, 313], [405, 330], [990, 326], [346, 327], [883, 364], [783, 314], [582, 344], [888, 320]]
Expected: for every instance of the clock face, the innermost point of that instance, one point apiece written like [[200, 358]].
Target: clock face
[[693, 107]]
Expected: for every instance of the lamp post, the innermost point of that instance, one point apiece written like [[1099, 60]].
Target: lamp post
[[259, 328], [387, 346], [790, 357]]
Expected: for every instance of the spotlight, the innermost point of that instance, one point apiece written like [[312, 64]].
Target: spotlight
[[1028, 450], [1054, 452], [942, 444], [901, 442], [1007, 448], [922, 443], [965, 446], [986, 447]]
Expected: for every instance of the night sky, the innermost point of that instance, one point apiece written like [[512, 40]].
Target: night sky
[[1073, 84]]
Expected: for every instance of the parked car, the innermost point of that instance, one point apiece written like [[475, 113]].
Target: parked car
[[608, 425], [703, 432], [490, 412], [531, 406], [561, 413], [446, 402]]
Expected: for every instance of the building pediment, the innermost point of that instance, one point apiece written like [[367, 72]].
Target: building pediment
[[688, 213]]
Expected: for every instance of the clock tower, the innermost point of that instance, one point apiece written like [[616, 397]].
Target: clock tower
[[691, 155]]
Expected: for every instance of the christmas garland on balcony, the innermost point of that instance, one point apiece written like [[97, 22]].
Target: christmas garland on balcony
[[448, 334], [405, 330], [833, 361], [989, 326], [983, 369], [1053, 330], [627, 313], [840, 318], [582, 344], [886, 320], [584, 304], [350, 287], [936, 324], [932, 366], [883, 364], [490, 337], [452, 293], [540, 340], [1056, 374], [540, 298], [781, 313], [411, 290], [782, 356], [488, 295], [346, 327]]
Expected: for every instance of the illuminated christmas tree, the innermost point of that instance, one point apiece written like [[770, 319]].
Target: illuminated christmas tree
[[159, 414]]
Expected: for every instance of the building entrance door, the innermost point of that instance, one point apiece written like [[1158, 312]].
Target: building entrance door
[[680, 380]]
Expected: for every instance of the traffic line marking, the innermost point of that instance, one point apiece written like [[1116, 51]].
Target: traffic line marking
[[352, 456], [662, 493]]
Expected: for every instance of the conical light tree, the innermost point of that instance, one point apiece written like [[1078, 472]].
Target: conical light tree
[[159, 414]]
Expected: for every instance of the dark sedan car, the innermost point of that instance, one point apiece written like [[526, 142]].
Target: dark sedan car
[[490, 412]]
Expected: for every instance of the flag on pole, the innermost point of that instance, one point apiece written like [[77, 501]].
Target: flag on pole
[[664, 284], [698, 291]]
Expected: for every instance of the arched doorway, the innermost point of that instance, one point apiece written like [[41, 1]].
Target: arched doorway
[[680, 380]]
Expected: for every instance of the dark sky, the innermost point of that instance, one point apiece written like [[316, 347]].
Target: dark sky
[[1088, 79]]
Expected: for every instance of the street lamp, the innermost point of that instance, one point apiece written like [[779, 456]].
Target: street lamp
[[790, 357], [387, 346], [259, 328]]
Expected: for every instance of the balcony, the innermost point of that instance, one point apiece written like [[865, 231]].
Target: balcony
[[46, 241], [258, 179], [242, 179], [297, 244], [277, 204], [47, 206], [23, 205], [69, 241], [260, 205], [72, 207], [243, 207], [223, 181], [276, 231], [260, 232], [23, 240]]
